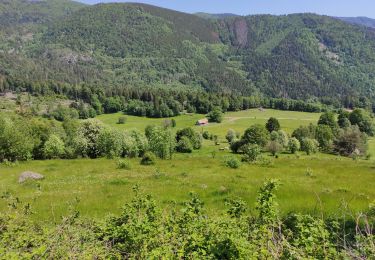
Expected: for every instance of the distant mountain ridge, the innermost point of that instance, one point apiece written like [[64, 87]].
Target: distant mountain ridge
[[299, 56], [14, 12], [365, 21], [215, 16]]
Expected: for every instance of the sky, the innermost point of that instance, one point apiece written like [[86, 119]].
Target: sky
[[246, 7]]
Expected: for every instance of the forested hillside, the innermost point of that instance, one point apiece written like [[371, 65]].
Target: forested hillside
[[365, 21], [302, 56], [16, 12]]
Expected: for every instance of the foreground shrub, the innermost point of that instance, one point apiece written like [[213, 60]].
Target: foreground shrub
[[148, 159], [144, 231]]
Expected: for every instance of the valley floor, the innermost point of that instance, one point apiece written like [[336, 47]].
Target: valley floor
[[317, 184]]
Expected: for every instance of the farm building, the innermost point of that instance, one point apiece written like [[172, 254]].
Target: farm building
[[202, 122]]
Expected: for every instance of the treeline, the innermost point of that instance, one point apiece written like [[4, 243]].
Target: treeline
[[145, 231], [91, 100], [23, 138], [346, 136]]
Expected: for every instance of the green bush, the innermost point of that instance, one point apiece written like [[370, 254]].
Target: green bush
[[251, 152], [54, 147], [256, 134], [123, 164], [193, 136], [232, 162], [109, 143], [294, 145], [324, 135], [121, 120], [351, 141], [206, 135], [328, 119], [148, 159], [161, 141], [184, 145], [231, 136], [281, 137], [216, 115], [273, 125], [363, 120], [16, 140], [274, 147], [309, 145], [86, 139]]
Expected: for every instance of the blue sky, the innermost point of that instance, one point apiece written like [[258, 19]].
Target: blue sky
[[243, 7]]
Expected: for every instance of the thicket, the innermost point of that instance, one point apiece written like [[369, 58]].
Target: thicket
[[143, 230], [24, 138]]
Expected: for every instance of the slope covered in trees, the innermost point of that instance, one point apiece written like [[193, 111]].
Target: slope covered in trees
[[16, 12], [365, 21], [302, 56]]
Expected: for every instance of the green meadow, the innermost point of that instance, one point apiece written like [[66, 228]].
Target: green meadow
[[238, 121], [316, 184]]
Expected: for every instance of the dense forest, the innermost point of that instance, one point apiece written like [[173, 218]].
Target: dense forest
[[301, 56]]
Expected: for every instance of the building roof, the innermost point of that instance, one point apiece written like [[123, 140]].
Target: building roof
[[202, 121]]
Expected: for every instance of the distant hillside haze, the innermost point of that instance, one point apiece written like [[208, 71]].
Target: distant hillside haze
[[13, 12], [365, 21], [215, 16], [299, 56]]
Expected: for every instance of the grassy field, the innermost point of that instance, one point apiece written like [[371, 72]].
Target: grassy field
[[238, 121], [315, 184]]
